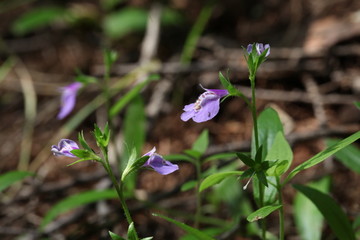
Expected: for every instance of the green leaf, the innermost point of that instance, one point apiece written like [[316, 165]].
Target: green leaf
[[246, 159], [321, 156], [269, 125], [110, 57], [333, 214], [228, 86], [192, 153], [202, 142], [216, 178], [258, 155], [349, 156], [131, 234], [262, 213], [193, 231], [74, 201], [7, 179], [280, 150], [134, 127], [125, 21], [83, 142], [37, 18], [85, 79], [82, 153], [133, 164], [114, 236], [357, 104], [188, 185], [308, 219], [262, 178], [130, 95]]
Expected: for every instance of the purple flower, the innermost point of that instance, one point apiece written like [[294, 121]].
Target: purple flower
[[206, 106], [68, 99], [260, 48], [64, 147], [158, 163]]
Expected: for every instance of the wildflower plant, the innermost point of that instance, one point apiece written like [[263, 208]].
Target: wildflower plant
[[271, 156], [266, 165]]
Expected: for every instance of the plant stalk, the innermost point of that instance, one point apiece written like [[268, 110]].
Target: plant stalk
[[198, 194], [281, 210], [119, 189], [256, 136]]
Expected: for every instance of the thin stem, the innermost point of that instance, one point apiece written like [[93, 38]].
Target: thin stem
[[198, 194], [253, 110], [281, 210], [119, 189], [256, 136]]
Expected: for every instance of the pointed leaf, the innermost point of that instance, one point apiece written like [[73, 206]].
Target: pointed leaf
[[308, 219], [280, 150], [258, 155], [193, 231], [7, 179], [321, 156], [349, 156], [202, 142], [114, 236], [333, 214], [262, 213], [216, 178], [262, 178], [246, 159]]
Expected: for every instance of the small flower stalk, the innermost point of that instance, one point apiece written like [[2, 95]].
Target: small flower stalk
[[206, 106]]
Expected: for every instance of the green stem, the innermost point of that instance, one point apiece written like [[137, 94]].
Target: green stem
[[198, 194], [119, 189], [281, 210], [256, 136], [253, 110]]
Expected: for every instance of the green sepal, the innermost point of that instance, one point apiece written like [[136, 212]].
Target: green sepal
[[133, 164], [102, 138], [225, 82], [83, 142], [85, 79], [110, 57]]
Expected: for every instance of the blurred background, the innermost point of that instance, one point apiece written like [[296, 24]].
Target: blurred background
[[312, 78]]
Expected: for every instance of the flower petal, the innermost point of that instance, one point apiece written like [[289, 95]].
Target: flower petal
[[185, 116], [68, 99], [207, 111], [160, 165]]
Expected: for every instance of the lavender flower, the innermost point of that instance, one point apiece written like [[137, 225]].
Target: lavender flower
[[158, 163], [206, 106], [64, 147], [68, 99], [260, 48]]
